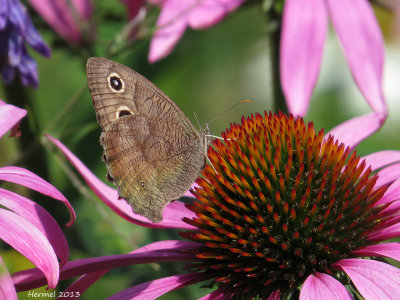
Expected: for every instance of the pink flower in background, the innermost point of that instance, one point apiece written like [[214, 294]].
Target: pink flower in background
[[176, 15], [24, 225], [259, 228], [304, 28], [66, 17]]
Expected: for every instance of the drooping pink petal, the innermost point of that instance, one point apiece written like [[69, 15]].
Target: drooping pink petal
[[168, 245], [362, 42], [391, 250], [171, 25], [10, 116], [7, 290], [388, 174], [324, 287], [373, 279], [156, 288], [207, 13], [221, 293], [304, 26], [173, 213], [40, 218], [79, 286], [24, 237], [381, 159], [355, 130], [59, 15], [30, 279], [392, 196], [85, 281], [30, 180], [386, 233]]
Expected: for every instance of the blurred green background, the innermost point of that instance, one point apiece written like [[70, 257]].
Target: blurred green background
[[206, 73]]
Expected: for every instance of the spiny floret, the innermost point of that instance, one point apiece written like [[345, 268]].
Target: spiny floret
[[280, 202]]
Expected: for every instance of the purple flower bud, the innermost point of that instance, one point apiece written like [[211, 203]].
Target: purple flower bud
[[3, 14], [8, 73], [28, 70], [34, 39], [16, 32]]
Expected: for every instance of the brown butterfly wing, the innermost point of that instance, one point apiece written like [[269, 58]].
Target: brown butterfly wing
[[152, 151]]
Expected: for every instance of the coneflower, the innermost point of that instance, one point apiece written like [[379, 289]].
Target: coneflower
[[283, 212], [281, 203]]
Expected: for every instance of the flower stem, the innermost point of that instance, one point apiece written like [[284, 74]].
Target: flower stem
[[279, 102], [66, 109]]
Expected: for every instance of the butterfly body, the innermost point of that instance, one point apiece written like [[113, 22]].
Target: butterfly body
[[152, 151]]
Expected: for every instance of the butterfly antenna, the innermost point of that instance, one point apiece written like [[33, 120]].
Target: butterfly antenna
[[229, 109], [197, 120]]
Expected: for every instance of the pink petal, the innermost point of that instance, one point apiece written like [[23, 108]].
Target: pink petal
[[388, 174], [85, 281], [7, 290], [168, 245], [40, 218], [84, 8], [173, 213], [362, 41], [392, 195], [324, 287], [10, 116], [30, 279], [30, 180], [176, 15], [304, 27], [79, 286], [373, 279], [171, 25], [58, 15], [386, 233], [381, 159], [188, 193], [221, 293], [24, 237], [207, 13], [391, 250], [156, 288], [352, 132]]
